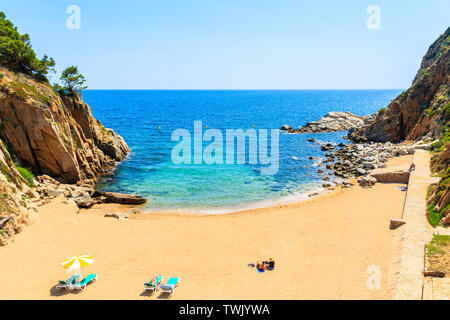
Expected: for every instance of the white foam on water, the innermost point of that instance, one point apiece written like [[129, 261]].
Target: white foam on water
[[285, 200]]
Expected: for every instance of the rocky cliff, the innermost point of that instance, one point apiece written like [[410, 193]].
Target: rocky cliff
[[42, 132], [55, 135], [16, 206], [423, 113], [423, 108]]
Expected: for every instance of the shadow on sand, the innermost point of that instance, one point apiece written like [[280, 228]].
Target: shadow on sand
[[164, 295], [151, 293], [147, 293], [58, 292]]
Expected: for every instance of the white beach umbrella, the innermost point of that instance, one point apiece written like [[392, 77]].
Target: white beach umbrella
[[74, 264]]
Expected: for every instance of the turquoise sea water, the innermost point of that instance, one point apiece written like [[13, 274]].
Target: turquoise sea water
[[150, 172]]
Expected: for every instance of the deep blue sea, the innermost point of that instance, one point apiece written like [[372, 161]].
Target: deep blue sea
[[146, 120]]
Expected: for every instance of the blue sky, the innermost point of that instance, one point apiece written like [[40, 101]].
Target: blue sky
[[235, 44]]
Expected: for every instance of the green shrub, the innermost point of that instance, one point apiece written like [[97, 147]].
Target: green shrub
[[440, 145], [431, 189], [436, 246], [26, 174], [446, 110], [5, 171], [72, 80], [23, 91], [434, 217], [430, 112], [17, 54]]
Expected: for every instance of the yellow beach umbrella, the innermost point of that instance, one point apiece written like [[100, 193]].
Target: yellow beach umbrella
[[76, 263]]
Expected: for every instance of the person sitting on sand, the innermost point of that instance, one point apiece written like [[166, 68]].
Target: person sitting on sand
[[261, 267], [412, 167], [270, 265]]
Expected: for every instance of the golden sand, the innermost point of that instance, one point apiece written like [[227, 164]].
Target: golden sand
[[322, 248]]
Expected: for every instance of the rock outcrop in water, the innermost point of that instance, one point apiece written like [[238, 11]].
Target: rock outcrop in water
[[331, 122], [48, 134]]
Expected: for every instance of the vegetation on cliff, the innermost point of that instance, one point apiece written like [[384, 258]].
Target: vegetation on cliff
[[439, 194], [16, 209], [437, 259], [26, 174], [17, 54], [73, 82], [439, 199]]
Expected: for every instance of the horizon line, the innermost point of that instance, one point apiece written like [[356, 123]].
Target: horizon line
[[323, 89]]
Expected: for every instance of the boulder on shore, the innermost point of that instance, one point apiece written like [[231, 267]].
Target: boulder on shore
[[118, 215], [120, 198], [85, 201], [367, 181]]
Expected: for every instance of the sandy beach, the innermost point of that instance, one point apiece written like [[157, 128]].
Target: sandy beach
[[322, 248]]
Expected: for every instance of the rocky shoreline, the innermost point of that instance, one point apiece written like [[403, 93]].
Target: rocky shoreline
[[331, 122], [358, 160], [21, 208], [84, 196]]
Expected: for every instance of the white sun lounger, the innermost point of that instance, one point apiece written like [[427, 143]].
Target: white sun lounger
[[83, 283], [170, 285], [153, 286], [69, 282]]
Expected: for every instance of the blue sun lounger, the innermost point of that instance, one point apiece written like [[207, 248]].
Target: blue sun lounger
[[170, 285], [153, 285], [83, 283]]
